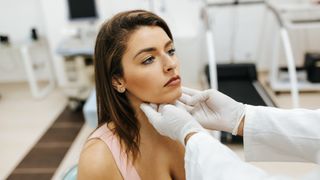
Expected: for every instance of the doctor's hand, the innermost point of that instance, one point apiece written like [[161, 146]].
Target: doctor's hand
[[172, 121], [213, 110]]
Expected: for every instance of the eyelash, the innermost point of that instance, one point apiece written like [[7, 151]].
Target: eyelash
[[171, 52], [147, 61]]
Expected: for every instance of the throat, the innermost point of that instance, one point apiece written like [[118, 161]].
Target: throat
[[147, 131]]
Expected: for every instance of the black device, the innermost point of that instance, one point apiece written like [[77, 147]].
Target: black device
[[82, 9], [236, 81], [34, 34], [312, 66], [4, 39]]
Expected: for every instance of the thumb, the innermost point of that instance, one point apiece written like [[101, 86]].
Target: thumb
[[189, 91], [150, 112], [185, 98], [183, 106], [198, 98]]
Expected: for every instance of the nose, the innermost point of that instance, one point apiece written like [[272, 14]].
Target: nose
[[169, 63]]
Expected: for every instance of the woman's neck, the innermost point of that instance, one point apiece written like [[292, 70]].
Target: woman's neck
[[146, 129]]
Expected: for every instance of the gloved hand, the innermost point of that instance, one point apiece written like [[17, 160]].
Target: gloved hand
[[213, 110], [171, 121]]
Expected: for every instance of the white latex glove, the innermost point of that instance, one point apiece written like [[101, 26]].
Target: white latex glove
[[171, 121], [213, 110]]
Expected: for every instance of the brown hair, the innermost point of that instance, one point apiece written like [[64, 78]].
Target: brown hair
[[110, 46]]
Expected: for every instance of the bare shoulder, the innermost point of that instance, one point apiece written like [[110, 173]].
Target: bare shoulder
[[96, 162]]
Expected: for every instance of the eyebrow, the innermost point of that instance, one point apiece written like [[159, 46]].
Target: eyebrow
[[152, 49]]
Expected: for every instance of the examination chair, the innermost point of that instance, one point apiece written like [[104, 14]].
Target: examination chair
[[71, 174]]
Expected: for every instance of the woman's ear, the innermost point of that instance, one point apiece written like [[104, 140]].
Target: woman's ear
[[118, 84]]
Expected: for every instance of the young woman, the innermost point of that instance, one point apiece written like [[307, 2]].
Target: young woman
[[135, 62]]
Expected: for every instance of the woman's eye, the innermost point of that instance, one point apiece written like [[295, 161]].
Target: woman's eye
[[171, 52], [149, 60]]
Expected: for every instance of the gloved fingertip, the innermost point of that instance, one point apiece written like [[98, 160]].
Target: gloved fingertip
[[154, 106], [161, 106], [198, 98], [172, 109], [149, 111], [190, 91], [178, 103], [190, 109], [144, 106], [181, 105], [184, 98]]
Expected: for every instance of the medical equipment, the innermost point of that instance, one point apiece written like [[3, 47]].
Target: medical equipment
[[82, 9], [312, 66], [78, 65], [294, 15], [77, 49], [238, 81]]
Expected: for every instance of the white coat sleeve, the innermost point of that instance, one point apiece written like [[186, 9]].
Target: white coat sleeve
[[206, 159], [272, 134]]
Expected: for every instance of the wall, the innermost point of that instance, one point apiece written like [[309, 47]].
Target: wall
[[241, 34], [16, 20], [18, 17]]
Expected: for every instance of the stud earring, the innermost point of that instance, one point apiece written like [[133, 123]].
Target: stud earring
[[121, 90]]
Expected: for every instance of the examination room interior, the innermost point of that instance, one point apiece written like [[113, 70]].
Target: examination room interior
[[261, 52]]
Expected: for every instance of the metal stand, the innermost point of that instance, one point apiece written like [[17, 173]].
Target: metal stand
[[285, 23], [250, 86]]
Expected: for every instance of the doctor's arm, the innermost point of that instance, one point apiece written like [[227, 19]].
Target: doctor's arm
[[207, 158], [273, 134], [270, 134]]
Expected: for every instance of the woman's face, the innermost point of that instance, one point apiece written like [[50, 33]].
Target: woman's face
[[151, 68]]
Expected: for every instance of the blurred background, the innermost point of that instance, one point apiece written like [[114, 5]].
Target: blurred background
[[261, 52]]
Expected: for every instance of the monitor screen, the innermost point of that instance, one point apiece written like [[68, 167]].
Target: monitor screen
[[82, 9]]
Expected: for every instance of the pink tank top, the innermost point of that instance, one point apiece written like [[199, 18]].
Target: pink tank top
[[128, 171]]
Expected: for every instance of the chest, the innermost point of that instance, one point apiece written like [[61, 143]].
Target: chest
[[162, 160]]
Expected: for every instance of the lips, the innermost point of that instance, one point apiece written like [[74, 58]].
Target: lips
[[173, 81]]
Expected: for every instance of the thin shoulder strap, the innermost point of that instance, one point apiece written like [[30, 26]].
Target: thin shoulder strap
[[126, 168]]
